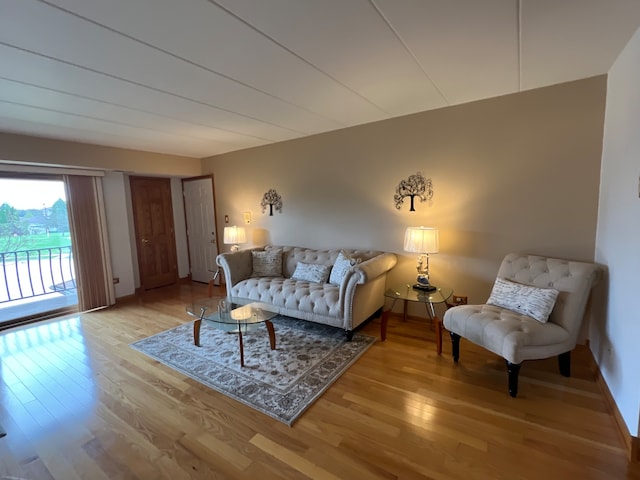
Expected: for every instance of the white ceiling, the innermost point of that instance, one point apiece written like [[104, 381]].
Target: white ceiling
[[199, 78]]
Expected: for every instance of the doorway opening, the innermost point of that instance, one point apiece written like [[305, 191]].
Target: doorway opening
[[37, 277]]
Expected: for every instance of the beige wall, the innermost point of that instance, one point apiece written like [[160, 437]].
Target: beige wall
[[513, 173], [38, 151]]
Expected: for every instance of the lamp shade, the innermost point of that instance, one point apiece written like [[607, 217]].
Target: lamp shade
[[421, 240], [235, 235]]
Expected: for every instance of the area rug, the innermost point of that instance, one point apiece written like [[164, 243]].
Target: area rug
[[281, 383]]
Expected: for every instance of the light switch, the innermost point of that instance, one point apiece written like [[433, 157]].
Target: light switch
[[226, 219]]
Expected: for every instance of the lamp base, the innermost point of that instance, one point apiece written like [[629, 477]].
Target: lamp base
[[424, 288]]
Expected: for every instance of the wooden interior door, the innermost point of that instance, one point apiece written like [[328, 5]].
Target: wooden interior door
[[155, 238]]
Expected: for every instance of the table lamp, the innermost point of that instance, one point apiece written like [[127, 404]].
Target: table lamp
[[233, 236], [422, 240]]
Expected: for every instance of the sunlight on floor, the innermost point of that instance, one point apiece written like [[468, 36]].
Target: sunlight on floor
[[419, 409], [46, 375]]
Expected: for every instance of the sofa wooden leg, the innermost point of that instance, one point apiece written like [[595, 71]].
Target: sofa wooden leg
[[564, 362], [513, 369], [349, 334], [455, 346]]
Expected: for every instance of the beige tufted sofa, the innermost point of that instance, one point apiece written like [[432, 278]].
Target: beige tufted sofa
[[359, 296]]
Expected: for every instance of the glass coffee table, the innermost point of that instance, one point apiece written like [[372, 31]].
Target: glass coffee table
[[407, 294], [241, 319]]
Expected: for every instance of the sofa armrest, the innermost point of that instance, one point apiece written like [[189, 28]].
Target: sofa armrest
[[368, 278], [374, 267], [237, 266]]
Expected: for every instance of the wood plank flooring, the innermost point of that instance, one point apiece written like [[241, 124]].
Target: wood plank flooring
[[78, 403]]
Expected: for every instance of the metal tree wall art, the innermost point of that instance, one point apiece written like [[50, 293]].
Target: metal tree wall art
[[414, 186], [272, 199]]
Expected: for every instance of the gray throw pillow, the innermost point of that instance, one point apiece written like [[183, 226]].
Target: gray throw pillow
[[267, 263]]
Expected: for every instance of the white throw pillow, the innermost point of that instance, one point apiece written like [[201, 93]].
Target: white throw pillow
[[267, 263], [341, 266], [524, 299], [311, 272]]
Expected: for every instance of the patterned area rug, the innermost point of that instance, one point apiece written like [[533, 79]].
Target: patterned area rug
[[281, 383]]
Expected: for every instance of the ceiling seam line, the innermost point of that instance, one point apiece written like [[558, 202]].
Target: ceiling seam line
[[190, 62], [149, 87], [409, 51], [519, 20], [119, 105], [112, 122], [299, 57]]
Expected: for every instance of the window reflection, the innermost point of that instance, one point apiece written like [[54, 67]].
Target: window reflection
[[46, 375]]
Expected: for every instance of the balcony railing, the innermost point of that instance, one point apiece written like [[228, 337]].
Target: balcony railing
[[31, 273]]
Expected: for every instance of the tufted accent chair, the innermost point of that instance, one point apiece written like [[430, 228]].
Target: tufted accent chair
[[517, 337]]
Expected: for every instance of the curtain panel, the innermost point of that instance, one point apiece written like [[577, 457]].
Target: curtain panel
[[92, 260]]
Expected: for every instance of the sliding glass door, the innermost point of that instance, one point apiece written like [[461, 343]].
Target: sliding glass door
[[37, 277]]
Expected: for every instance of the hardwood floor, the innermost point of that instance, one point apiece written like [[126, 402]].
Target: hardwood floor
[[78, 402]]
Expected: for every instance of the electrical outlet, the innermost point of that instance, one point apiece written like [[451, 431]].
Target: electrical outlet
[[459, 300]]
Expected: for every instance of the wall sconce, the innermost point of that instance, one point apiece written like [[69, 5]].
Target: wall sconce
[[422, 240], [233, 236]]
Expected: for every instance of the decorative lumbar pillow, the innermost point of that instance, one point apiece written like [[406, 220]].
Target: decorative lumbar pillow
[[524, 299], [311, 272], [341, 266], [267, 263]]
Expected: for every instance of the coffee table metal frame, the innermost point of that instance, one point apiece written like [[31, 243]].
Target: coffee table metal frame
[[240, 319]]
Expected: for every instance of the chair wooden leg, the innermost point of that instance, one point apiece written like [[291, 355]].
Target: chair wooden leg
[[455, 346], [513, 369], [564, 362]]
